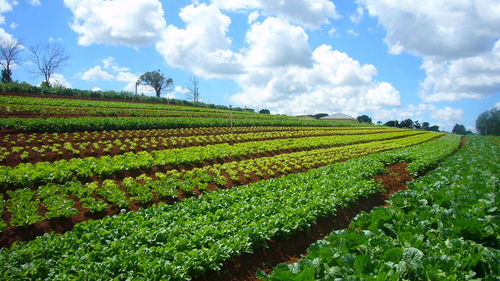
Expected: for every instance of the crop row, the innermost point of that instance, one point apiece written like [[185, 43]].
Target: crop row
[[183, 240], [9, 140], [136, 123], [55, 151], [444, 228], [166, 185], [117, 105], [27, 174], [8, 110]]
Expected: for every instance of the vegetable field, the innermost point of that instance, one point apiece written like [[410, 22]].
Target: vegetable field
[[113, 190]]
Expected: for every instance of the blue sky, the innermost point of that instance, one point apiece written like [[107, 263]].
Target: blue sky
[[436, 61]]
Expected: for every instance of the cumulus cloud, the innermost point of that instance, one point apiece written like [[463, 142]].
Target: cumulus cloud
[[308, 13], [59, 80], [109, 63], [458, 41], [96, 89], [447, 116], [469, 77], [117, 22], [334, 82], [96, 73], [269, 44], [5, 6], [34, 2], [203, 47], [358, 16]]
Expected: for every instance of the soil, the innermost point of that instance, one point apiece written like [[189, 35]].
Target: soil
[[291, 249], [14, 159]]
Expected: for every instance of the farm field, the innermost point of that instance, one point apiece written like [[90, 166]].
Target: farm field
[[101, 190]]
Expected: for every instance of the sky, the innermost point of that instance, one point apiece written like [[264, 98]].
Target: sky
[[430, 60]]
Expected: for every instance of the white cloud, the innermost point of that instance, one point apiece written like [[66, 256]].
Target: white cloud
[[96, 73], [309, 13], [181, 90], [117, 22], [458, 41], [58, 80], [332, 31], [13, 25], [34, 2], [270, 44], [203, 46], [470, 77], [441, 28], [253, 16], [447, 116], [358, 16], [352, 32], [96, 89], [497, 105], [109, 63], [334, 82]]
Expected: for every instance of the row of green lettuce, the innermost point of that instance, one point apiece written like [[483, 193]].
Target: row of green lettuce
[[184, 240], [86, 104], [60, 171], [54, 125], [23, 203], [445, 227], [127, 96]]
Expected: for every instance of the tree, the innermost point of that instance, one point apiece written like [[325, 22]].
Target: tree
[[265, 111], [157, 81], [379, 123], [488, 122], [320, 115], [459, 129], [407, 123], [425, 126], [48, 58], [392, 123], [364, 119], [417, 125], [9, 55], [434, 128], [194, 91]]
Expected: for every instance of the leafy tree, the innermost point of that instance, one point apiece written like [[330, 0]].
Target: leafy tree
[[434, 128], [379, 122], [320, 115], [407, 123], [265, 111], [459, 129], [157, 81], [488, 122], [364, 119], [9, 55], [48, 58], [417, 125], [392, 123], [425, 126]]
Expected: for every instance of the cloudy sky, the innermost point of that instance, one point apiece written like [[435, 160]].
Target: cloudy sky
[[429, 60]]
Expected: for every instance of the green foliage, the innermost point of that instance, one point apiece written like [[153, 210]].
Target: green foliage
[[6, 76], [445, 227], [183, 240], [156, 80], [364, 119], [488, 122], [264, 111]]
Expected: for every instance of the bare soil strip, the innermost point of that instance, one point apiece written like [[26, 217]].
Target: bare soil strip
[[61, 225], [290, 249], [15, 159]]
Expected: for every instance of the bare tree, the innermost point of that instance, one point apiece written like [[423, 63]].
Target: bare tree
[[158, 81], [9, 55], [48, 58], [194, 92]]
